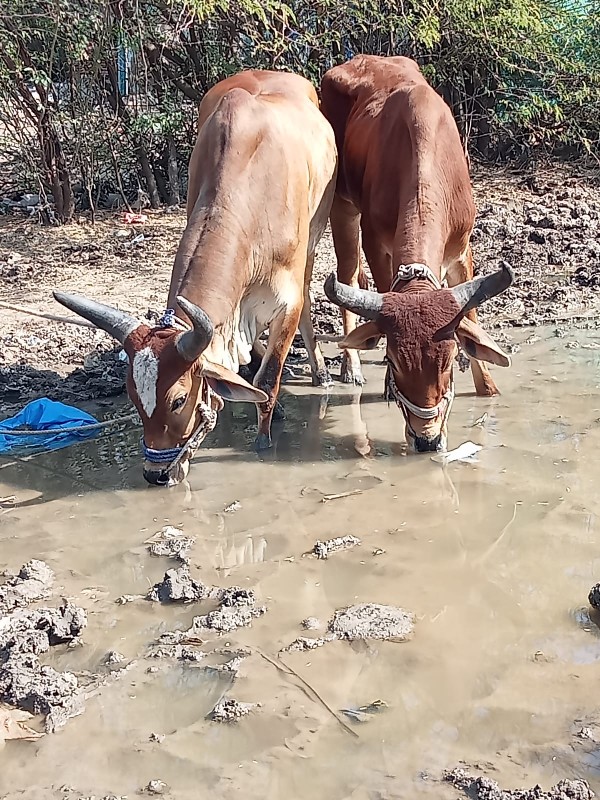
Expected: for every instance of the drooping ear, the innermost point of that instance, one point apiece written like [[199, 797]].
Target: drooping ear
[[364, 337], [230, 386], [478, 344]]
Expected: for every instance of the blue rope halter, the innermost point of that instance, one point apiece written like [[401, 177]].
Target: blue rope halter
[[160, 456]]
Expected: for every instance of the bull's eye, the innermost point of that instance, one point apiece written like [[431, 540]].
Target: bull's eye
[[179, 403]]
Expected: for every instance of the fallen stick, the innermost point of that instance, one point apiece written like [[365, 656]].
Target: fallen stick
[[54, 317], [287, 670], [327, 497]]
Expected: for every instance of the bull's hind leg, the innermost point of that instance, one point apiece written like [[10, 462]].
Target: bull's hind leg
[[345, 227], [268, 378], [320, 373], [459, 271]]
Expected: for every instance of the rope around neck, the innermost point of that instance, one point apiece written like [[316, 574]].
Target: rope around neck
[[404, 404], [416, 271], [169, 320]]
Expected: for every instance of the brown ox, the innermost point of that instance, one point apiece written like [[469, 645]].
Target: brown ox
[[262, 178], [403, 183]]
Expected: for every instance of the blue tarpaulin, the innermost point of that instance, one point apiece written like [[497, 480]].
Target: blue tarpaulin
[[46, 415]]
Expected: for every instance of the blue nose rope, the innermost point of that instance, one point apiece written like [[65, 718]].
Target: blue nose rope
[[160, 456]]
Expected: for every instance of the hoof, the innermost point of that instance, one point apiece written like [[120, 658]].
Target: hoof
[[263, 442], [351, 372], [488, 391], [353, 378], [322, 379], [278, 411]]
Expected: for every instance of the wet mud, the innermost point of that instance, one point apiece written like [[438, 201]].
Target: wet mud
[[230, 710], [482, 788], [480, 569], [545, 225], [326, 548], [372, 621], [26, 634]]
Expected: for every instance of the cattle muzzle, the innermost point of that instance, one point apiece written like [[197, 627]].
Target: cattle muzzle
[[421, 444], [424, 445], [170, 466]]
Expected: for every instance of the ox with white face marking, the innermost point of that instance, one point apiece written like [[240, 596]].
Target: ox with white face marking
[[175, 388], [145, 378], [261, 182]]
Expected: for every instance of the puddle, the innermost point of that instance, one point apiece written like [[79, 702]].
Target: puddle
[[495, 558]]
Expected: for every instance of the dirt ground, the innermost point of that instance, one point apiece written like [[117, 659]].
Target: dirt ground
[[545, 225]]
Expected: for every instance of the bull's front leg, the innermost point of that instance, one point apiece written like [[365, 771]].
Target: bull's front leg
[[459, 272], [345, 228], [485, 386], [319, 371], [268, 378]]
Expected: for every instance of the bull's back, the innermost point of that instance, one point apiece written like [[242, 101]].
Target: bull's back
[[265, 131], [392, 130], [257, 83]]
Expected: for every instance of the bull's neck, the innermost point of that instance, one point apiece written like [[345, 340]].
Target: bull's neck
[[413, 286], [421, 230], [210, 264]]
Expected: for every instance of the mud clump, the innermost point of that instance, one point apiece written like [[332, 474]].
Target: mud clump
[[372, 621], [311, 624], [26, 684], [303, 643], [594, 596], [242, 608], [170, 542], [238, 609], [178, 645], [233, 662], [230, 710], [156, 787], [38, 630], [228, 618], [34, 582], [482, 788], [178, 586], [24, 634], [236, 596], [326, 548]]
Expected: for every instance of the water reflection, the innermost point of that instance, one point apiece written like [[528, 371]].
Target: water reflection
[[491, 556]]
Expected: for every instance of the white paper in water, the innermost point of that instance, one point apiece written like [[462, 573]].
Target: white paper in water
[[465, 452]]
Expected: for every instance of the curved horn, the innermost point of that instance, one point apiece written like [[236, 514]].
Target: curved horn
[[109, 319], [473, 293], [193, 343], [360, 301]]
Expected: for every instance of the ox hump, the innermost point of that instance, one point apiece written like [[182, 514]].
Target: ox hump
[[145, 378]]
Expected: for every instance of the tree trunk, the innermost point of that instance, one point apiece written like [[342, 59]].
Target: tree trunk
[[173, 172], [148, 176], [55, 170]]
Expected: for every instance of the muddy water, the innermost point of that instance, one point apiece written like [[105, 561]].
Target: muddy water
[[495, 558]]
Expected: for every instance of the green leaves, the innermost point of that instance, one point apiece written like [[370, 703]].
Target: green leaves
[[520, 75]]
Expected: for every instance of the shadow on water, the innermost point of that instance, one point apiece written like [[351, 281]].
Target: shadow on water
[[112, 461]]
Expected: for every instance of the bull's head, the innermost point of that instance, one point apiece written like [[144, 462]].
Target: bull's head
[[423, 329], [176, 390]]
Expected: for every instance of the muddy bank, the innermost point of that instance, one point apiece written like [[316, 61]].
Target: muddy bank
[[547, 226], [482, 788], [25, 634]]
